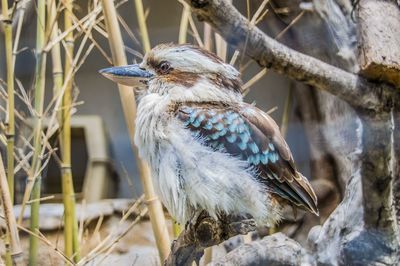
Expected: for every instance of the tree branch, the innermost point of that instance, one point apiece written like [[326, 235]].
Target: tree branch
[[276, 250], [205, 232], [236, 29]]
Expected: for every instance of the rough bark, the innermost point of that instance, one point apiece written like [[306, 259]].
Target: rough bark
[[379, 30], [325, 241], [396, 158], [363, 229], [378, 33], [274, 250], [376, 172]]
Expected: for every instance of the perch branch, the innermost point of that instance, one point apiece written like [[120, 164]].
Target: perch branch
[[277, 249], [204, 233], [239, 32]]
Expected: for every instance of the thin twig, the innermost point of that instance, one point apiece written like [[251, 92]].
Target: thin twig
[[142, 26], [297, 18], [254, 79]]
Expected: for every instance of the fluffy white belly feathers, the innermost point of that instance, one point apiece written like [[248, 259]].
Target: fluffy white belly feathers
[[190, 177]]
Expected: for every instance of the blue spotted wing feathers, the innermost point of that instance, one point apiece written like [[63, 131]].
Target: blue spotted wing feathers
[[248, 133]]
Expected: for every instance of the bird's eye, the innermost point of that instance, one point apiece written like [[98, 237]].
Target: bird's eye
[[164, 67]]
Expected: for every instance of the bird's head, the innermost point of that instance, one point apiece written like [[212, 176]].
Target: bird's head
[[181, 72]]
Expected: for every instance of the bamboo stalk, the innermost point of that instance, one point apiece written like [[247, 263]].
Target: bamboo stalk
[[11, 224], [56, 102], [55, 51], [10, 118], [142, 25], [184, 24], [207, 37], [21, 9], [220, 46], [196, 33], [71, 243], [246, 87], [129, 107], [38, 105], [10, 129], [257, 17]]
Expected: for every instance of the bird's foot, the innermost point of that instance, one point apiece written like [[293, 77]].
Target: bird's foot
[[197, 216], [242, 227]]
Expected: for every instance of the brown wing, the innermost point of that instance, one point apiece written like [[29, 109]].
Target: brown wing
[[250, 134], [284, 173]]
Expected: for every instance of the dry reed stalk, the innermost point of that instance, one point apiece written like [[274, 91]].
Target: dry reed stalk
[[85, 22], [115, 235], [290, 25], [55, 50], [12, 232], [257, 17], [220, 46], [142, 25], [129, 107], [207, 37], [183, 27], [196, 34], [246, 87], [34, 178], [71, 244], [83, 28], [21, 7], [52, 128], [107, 249], [10, 118], [36, 168], [70, 231], [45, 241]]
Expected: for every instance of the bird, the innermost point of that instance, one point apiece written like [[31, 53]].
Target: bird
[[208, 150]]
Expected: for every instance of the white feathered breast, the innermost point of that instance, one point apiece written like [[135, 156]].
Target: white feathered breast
[[190, 177]]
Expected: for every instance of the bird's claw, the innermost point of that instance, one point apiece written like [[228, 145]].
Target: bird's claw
[[243, 227], [191, 223]]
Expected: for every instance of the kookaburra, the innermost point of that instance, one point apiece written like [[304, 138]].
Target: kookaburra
[[209, 150]]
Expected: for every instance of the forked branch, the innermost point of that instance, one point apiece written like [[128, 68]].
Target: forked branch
[[238, 31]]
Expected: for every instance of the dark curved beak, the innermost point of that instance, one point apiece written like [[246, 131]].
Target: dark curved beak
[[130, 75]]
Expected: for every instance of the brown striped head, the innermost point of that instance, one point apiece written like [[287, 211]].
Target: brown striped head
[[186, 66]]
